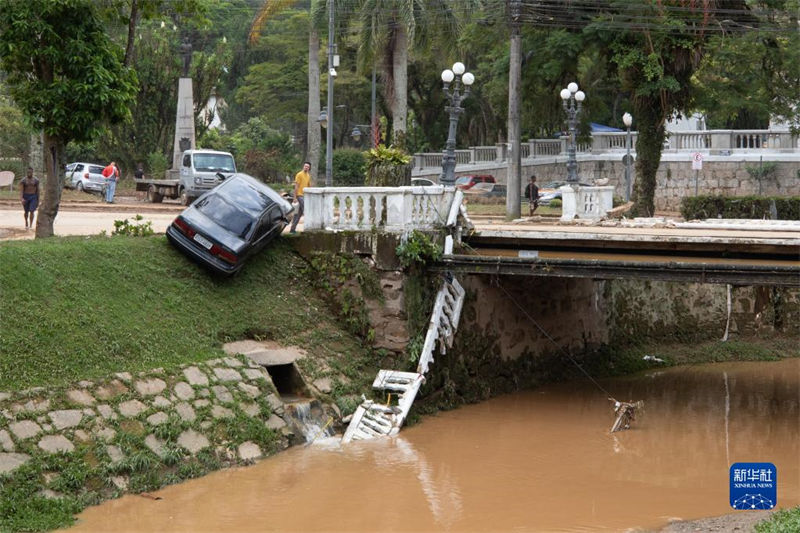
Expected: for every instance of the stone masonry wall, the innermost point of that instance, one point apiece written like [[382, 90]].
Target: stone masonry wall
[[675, 179], [223, 410]]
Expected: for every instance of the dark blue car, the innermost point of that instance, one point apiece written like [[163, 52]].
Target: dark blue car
[[229, 223]]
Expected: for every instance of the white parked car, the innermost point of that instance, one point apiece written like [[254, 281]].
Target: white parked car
[[422, 182], [85, 177]]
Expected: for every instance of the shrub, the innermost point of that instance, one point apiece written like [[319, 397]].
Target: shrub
[[755, 207], [142, 229], [388, 166], [157, 164], [555, 202], [418, 250], [349, 167]]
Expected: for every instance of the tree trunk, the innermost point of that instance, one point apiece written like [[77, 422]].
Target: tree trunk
[[50, 197], [131, 33], [400, 78], [314, 135], [650, 120]]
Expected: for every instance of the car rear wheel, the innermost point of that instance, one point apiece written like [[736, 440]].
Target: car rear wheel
[[80, 186], [153, 196]]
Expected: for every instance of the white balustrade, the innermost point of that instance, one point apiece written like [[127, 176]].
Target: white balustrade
[[717, 141], [587, 203], [386, 208]]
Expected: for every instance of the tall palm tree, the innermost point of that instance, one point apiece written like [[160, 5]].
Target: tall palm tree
[[313, 136], [389, 30]]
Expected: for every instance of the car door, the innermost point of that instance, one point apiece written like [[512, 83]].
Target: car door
[[77, 174], [269, 225]]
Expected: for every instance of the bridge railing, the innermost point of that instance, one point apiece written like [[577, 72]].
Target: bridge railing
[[718, 141], [386, 208]]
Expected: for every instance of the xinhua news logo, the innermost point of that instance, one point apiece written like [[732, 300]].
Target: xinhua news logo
[[754, 486]]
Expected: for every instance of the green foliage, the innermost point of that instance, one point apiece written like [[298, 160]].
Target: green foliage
[[783, 521], [758, 207], [418, 250], [555, 202], [142, 229], [388, 167], [259, 150], [763, 171], [349, 167], [63, 70], [157, 164], [336, 274], [16, 135]]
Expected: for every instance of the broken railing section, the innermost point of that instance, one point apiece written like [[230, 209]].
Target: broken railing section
[[373, 419]]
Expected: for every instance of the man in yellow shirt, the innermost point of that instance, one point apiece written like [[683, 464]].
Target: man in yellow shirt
[[301, 180]]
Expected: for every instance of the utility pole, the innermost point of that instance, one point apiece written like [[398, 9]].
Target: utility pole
[[331, 75], [514, 180]]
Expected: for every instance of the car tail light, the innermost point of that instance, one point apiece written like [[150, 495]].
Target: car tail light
[[86, 176], [224, 254], [184, 227]]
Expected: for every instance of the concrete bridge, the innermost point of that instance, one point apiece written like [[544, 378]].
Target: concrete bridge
[[734, 252]]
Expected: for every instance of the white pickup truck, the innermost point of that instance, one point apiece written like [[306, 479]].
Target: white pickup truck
[[200, 171]]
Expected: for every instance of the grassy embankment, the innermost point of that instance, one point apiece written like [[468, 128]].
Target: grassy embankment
[[86, 307], [82, 308]]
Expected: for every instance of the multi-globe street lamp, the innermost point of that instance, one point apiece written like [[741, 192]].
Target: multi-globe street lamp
[[627, 119], [572, 100], [457, 77]]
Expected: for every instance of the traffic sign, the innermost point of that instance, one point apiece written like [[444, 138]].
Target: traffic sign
[[697, 161]]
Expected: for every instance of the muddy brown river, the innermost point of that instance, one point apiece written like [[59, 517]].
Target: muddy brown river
[[535, 461]]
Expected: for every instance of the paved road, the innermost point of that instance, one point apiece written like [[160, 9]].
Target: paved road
[[78, 222]]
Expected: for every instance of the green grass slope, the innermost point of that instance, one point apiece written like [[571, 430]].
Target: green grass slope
[[80, 308]]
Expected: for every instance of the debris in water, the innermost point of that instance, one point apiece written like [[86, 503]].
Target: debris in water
[[149, 496], [653, 358], [626, 414]]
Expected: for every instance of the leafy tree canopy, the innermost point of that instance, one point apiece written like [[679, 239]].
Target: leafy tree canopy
[[63, 70]]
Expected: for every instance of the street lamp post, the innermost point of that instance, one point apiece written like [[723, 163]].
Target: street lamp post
[[627, 119], [356, 134], [572, 101], [455, 97]]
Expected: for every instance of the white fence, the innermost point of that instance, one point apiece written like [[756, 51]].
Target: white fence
[[385, 208]]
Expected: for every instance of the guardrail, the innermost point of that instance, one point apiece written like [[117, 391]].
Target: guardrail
[[385, 208], [718, 141]]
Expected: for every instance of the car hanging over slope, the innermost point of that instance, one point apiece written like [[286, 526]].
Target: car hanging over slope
[[230, 223]]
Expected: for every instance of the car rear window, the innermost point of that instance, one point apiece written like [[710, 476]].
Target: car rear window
[[94, 169], [240, 193], [464, 180], [227, 215]]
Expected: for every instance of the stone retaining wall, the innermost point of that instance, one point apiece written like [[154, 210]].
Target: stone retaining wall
[[180, 424]]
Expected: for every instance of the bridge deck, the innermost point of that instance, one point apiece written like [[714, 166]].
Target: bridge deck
[[767, 255]]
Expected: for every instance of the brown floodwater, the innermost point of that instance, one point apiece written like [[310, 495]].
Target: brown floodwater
[[536, 461]]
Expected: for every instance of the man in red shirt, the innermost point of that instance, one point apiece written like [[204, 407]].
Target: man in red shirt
[[111, 174]]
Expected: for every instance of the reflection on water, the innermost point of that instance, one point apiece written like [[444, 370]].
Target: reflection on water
[[535, 461]]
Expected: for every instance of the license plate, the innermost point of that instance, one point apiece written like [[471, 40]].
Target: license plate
[[203, 241]]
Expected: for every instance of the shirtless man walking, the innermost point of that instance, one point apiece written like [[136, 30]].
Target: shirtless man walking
[[29, 196]]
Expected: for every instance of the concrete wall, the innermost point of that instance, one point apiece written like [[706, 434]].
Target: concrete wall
[[581, 314]]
